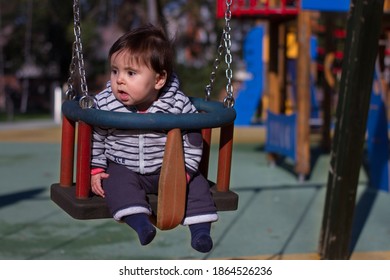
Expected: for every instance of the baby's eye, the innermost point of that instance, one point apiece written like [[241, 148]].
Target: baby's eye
[[114, 71], [131, 73]]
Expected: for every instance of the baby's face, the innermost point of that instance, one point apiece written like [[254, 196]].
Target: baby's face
[[134, 83]]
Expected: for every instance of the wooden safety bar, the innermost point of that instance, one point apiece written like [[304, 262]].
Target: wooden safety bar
[[172, 184]]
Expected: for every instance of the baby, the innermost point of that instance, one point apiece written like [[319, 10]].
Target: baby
[[126, 164]]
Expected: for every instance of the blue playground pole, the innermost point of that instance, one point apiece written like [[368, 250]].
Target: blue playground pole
[[378, 143], [249, 95], [326, 5]]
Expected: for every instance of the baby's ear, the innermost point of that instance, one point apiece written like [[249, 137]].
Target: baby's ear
[[161, 79]]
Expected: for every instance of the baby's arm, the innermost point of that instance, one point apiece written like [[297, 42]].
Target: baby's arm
[[192, 144], [98, 161]]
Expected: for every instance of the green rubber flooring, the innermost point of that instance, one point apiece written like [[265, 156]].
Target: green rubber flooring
[[278, 217]]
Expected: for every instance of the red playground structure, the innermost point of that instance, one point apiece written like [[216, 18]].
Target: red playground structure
[[260, 8]]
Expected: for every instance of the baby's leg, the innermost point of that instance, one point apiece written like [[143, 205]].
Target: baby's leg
[[141, 224], [200, 213], [200, 237], [126, 199]]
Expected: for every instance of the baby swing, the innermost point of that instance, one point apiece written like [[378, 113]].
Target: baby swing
[[169, 205]]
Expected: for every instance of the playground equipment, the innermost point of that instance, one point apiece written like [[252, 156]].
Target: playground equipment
[[262, 8], [377, 156], [287, 134], [326, 6], [291, 137], [377, 138], [363, 29], [169, 204], [249, 95]]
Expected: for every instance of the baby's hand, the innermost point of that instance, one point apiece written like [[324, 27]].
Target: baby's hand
[[96, 183]]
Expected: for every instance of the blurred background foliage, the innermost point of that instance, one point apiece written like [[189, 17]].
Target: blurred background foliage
[[36, 43]]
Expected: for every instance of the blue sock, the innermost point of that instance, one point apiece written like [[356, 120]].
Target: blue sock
[[200, 237], [141, 224]]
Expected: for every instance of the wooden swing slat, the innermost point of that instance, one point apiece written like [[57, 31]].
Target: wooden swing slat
[[172, 183]]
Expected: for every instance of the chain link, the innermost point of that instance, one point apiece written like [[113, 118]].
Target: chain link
[[70, 92], [224, 48], [86, 101], [213, 74]]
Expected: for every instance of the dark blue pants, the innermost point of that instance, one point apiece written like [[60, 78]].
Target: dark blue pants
[[126, 191]]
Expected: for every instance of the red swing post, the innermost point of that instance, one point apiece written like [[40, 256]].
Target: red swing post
[[225, 158], [83, 169], [84, 132], [67, 152]]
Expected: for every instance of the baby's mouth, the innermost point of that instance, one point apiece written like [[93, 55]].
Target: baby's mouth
[[124, 96]]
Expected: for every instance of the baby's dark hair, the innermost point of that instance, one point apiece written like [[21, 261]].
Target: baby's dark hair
[[147, 44]]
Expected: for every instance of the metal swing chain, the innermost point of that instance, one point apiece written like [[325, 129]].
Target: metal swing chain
[[209, 87], [224, 47], [86, 101], [229, 99], [70, 92]]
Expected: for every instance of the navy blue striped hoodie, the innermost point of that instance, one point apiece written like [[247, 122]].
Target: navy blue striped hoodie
[[143, 151]]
